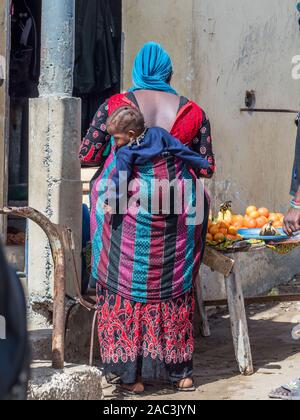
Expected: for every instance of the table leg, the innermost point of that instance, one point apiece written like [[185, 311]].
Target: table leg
[[204, 324], [239, 324]]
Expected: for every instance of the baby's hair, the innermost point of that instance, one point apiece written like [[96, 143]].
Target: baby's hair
[[125, 119]]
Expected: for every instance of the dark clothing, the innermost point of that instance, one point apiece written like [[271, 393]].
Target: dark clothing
[[25, 49], [97, 54], [97, 66], [157, 143], [296, 169]]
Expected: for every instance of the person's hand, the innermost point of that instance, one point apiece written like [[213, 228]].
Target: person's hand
[[291, 222]]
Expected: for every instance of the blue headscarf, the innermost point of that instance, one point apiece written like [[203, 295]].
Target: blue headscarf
[[152, 68]]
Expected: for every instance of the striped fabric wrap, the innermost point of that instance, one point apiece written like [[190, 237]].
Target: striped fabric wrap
[[141, 256]]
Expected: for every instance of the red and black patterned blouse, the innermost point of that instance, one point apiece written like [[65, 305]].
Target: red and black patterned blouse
[[95, 143]]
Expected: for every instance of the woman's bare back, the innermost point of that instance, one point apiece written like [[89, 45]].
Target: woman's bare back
[[159, 108]]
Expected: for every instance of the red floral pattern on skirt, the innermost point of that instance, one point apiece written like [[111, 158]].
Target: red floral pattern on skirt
[[129, 330]]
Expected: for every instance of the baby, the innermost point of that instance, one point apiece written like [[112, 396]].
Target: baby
[[137, 145]]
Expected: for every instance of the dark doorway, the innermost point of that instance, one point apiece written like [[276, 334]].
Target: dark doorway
[[23, 84]]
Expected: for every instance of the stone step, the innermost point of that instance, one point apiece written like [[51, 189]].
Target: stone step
[[74, 383]]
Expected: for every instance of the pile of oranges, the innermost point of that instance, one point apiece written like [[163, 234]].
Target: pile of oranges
[[222, 230], [258, 218]]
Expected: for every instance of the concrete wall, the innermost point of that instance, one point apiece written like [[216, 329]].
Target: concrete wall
[[55, 187], [3, 108], [221, 49], [167, 22]]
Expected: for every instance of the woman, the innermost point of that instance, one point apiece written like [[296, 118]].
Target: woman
[[147, 334]]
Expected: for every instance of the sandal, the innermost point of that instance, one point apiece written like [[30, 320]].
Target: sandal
[[179, 388], [290, 392]]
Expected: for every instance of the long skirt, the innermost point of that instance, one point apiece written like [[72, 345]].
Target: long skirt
[[152, 341]]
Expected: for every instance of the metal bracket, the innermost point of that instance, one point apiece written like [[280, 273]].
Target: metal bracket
[[267, 110]]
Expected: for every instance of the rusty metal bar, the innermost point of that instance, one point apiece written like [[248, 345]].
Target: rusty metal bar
[[265, 110], [257, 300], [55, 235]]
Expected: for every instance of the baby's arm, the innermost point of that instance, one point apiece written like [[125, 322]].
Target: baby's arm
[[120, 180], [176, 148]]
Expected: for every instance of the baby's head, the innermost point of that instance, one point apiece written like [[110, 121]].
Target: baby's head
[[125, 124]]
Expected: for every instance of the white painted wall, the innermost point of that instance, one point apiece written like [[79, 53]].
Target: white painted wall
[[245, 45], [165, 21]]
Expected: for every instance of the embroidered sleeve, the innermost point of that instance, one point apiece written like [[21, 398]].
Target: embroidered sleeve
[[202, 144], [95, 142]]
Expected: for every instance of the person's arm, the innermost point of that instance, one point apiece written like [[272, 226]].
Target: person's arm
[[176, 148], [203, 145], [292, 218], [95, 142]]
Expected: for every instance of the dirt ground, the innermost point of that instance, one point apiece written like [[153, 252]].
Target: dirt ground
[[276, 357]]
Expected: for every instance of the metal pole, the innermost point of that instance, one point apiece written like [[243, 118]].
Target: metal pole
[[57, 47]]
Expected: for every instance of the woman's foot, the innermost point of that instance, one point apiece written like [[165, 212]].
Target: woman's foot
[[137, 388], [186, 385]]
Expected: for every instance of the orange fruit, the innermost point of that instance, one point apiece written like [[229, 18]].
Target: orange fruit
[[251, 223], [219, 237], [277, 224], [246, 220], [232, 231], [214, 230], [237, 218], [250, 210], [263, 211], [238, 225], [280, 216], [209, 237], [254, 215], [223, 231], [261, 221], [223, 225], [273, 216], [239, 222]]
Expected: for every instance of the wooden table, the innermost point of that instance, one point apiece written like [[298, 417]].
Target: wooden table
[[227, 265]]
